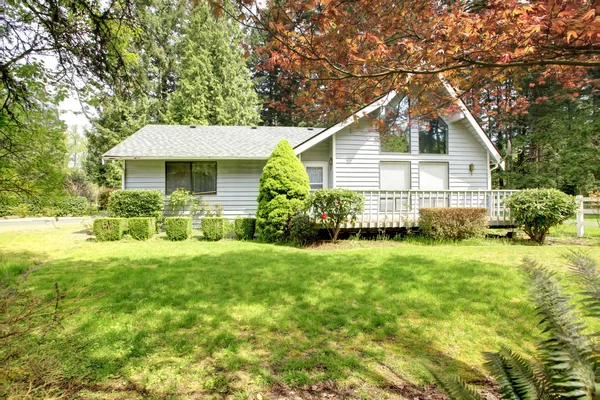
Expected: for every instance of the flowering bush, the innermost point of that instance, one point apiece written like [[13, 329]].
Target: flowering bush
[[336, 207]]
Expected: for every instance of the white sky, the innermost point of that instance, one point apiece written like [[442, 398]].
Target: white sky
[[71, 113]]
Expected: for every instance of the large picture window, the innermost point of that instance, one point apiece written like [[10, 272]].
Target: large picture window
[[394, 128], [199, 177], [435, 139]]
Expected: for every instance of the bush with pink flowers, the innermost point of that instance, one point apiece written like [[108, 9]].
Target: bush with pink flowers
[[335, 207]]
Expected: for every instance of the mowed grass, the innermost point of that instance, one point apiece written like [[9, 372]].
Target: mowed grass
[[196, 318]]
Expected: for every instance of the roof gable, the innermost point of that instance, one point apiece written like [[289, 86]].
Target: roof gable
[[473, 125]]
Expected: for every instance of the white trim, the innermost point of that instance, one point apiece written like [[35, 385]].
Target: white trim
[[476, 127], [334, 161], [182, 158], [319, 137], [489, 172], [320, 164]]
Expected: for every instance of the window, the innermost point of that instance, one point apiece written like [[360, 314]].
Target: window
[[317, 174], [433, 176], [197, 177], [394, 176], [394, 128], [434, 140]]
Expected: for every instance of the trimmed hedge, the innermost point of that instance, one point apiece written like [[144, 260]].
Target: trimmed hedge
[[136, 203], [245, 228], [75, 206], [214, 228], [453, 223], [106, 229], [538, 210], [141, 228], [178, 228]]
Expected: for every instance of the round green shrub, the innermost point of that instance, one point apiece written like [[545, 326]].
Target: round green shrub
[[244, 228], [538, 210], [283, 188], [303, 229], [335, 207], [141, 228], [178, 228], [136, 203]]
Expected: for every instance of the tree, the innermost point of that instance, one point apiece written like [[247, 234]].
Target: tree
[[566, 364], [33, 153], [190, 70], [350, 52], [213, 85], [282, 191]]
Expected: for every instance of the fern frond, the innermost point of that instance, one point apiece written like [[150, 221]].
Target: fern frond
[[586, 271], [518, 377], [456, 388], [567, 353]]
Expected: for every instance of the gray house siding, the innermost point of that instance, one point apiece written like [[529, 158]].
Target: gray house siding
[[358, 157], [237, 183], [322, 151]]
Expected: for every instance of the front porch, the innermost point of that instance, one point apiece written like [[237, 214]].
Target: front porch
[[387, 209]]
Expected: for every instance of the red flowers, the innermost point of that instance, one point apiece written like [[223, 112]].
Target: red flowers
[[338, 203], [324, 216]]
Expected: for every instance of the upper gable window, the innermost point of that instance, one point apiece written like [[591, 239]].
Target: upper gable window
[[434, 138], [394, 128]]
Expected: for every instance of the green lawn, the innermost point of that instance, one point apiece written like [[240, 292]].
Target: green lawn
[[192, 319]]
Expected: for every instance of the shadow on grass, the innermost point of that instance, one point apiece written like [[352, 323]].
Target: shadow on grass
[[287, 316]]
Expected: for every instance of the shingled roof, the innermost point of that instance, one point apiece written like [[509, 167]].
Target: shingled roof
[[202, 142]]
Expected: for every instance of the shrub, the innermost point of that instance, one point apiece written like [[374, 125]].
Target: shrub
[[214, 228], [283, 188], [75, 206], [178, 228], [106, 229], [141, 228], [538, 210], [453, 223], [103, 198], [136, 203], [245, 228], [22, 210], [335, 207], [303, 229]]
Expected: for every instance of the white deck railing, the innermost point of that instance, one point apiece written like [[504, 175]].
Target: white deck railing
[[395, 209]]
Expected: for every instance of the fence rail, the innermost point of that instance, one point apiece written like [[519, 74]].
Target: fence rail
[[585, 206], [400, 208]]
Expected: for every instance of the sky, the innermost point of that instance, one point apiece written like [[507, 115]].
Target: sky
[[71, 113]]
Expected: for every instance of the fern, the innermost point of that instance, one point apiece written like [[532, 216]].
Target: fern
[[567, 364], [456, 387]]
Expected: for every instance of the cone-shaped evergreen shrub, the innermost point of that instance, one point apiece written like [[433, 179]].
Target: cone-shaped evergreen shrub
[[283, 188]]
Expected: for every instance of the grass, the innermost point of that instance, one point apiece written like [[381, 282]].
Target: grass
[[195, 318]]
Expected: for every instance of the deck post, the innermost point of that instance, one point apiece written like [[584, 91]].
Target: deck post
[[579, 216]]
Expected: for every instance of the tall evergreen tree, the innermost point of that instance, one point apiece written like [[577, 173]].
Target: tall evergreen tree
[[190, 70], [214, 86]]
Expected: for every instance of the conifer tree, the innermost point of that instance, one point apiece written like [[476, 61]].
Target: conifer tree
[[283, 188], [214, 86]]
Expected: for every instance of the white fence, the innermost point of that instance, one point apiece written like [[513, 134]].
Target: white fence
[[395, 209], [585, 206]]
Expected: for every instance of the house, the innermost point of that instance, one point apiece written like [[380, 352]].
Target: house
[[401, 166]]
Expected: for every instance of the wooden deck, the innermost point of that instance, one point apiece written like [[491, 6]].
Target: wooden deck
[[385, 209]]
